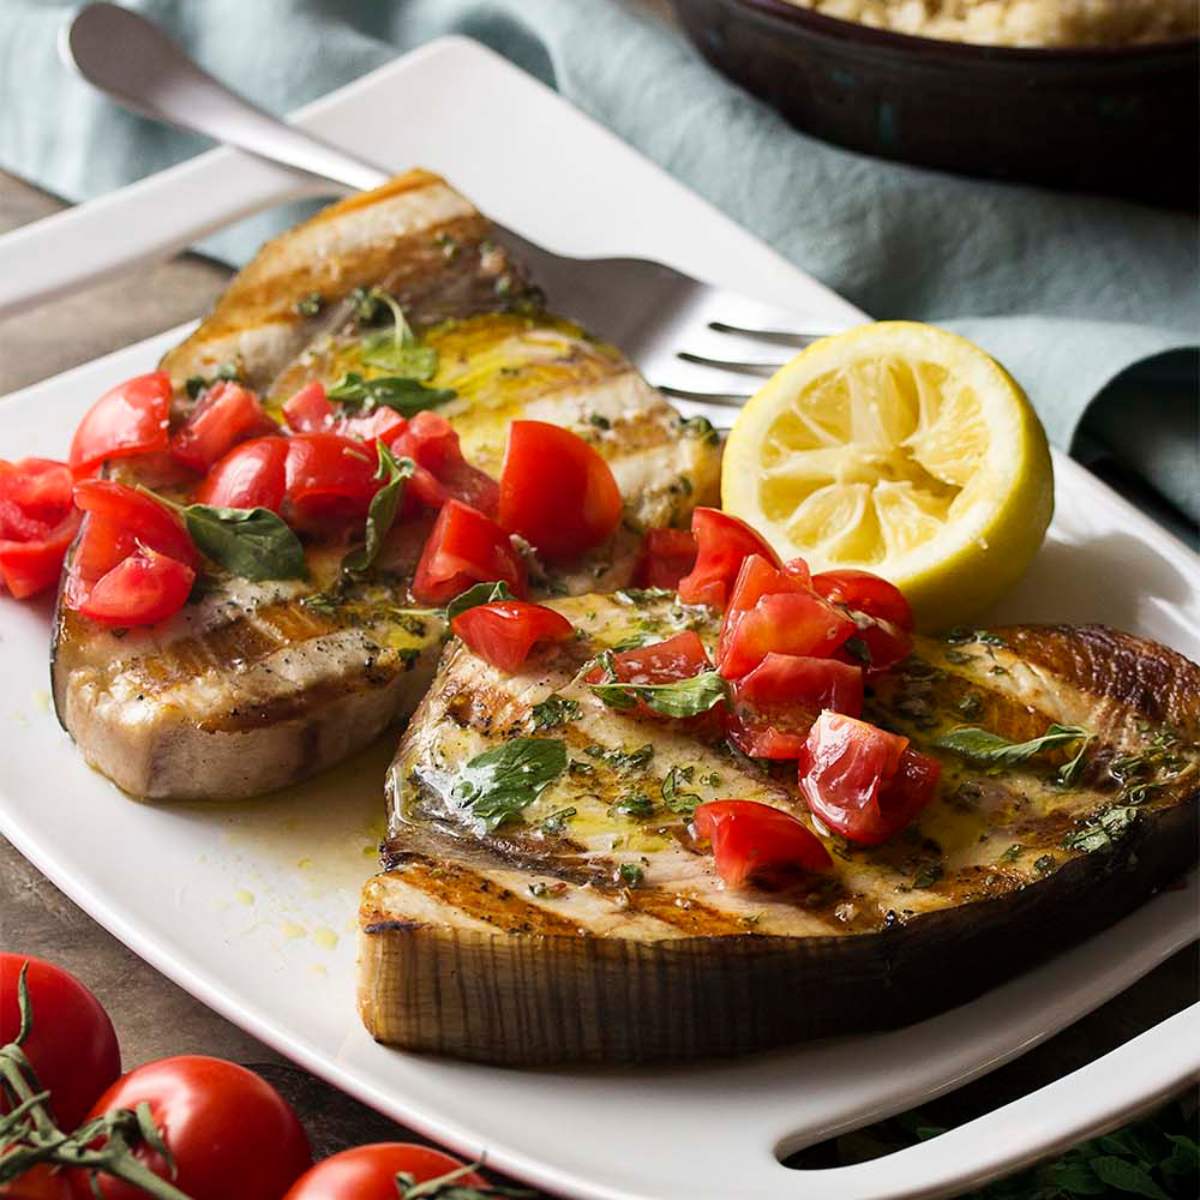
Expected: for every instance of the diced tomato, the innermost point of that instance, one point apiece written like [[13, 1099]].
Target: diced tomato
[[771, 609], [865, 592], [226, 414], [310, 410], [723, 544], [39, 487], [143, 589], [678, 657], [863, 782], [465, 547], [556, 491], [752, 841], [29, 565], [251, 475], [442, 471], [329, 480], [775, 705], [667, 556], [885, 645], [125, 517], [128, 419], [505, 631], [383, 423]]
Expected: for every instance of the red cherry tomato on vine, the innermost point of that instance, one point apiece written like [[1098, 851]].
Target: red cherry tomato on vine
[[465, 548], [38, 1183], [863, 782], [755, 842], [723, 543], [667, 556], [130, 418], [226, 414], [251, 475], [556, 491], [505, 631], [369, 1172], [72, 1046], [231, 1135]]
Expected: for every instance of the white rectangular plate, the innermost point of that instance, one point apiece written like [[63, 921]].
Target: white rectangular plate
[[251, 907]]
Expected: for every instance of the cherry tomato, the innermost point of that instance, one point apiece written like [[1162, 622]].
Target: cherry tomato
[[556, 491], [143, 589], [369, 1172], [667, 556], [329, 480], [72, 1045], [864, 592], [442, 471], [775, 705], [863, 782], [128, 419], [226, 414], [38, 1183], [505, 631], [771, 609], [37, 524], [251, 475], [310, 410], [752, 841], [464, 548], [232, 1136], [723, 544]]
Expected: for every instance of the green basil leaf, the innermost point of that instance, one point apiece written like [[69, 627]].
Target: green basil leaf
[[382, 513], [676, 800], [679, 698], [252, 543], [981, 745], [554, 711], [497, 784], [405, 356], [480, 593], [405, 396]]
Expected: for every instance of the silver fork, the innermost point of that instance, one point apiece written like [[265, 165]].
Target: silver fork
[[699, 344]]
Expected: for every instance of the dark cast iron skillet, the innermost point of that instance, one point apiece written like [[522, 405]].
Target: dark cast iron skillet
[[1118, 120]]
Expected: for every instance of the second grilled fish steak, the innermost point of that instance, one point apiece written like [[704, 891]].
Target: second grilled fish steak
[[531, 944], [253, 686]]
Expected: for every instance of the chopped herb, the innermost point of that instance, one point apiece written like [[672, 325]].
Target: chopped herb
[[406, 396], [480, 593], [497, 784], [382, 513], [981, 745], [579, 768], [679, 698], [448, 244], [712, 779], [635, 596], [1102, 831], [702, 428], [227, 371], [1070, 771], [633, 804], [631, 875], [928, 875], [1012, 853], [624, 762], [683, 803], [599, 420], [556, 822], [367, 303], [960, 634], [554, 711], [1046, 863], [857, 648], [310, 305], [958, 657]]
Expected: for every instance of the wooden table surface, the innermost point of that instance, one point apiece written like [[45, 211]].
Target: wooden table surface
[[154, 1018]]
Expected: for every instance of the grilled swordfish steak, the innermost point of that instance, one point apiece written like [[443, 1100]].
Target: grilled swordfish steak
[[254, 685], [588, 926]]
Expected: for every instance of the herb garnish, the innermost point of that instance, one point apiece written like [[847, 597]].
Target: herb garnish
[[556, 822], [632, 804], [679, 698], [381, 515], [624, 762], [1101, 831], [497, 784], [702, 428], [229, 372], [981, 745], [554, 711], [857, 648], [683, 803], [400, 350], [961, 634], [310, 305], [630, 874], [479, 593], [406, 396]]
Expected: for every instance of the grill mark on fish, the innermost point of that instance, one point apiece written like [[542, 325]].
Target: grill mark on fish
[[684, 912]]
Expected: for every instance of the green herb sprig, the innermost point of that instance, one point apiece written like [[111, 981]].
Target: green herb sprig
[[499, 783], [981, 745], [381, 515], [679, 698]]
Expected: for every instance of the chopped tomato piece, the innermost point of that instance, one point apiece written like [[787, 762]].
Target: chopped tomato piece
[[771, 609], [251, 475], [879, 645], [723, 544], [143, 589], [29, 565], [128, 419], [465, 547], [752, 841], [667, 556], [679, 657], [226, 414], [862, 781], [329, 480], [385, 423], [505, 631], [310, 410], [775, 705], [119, 518], [864, 592], [39, 487], [37, 523], [442, 471], [556, 491]]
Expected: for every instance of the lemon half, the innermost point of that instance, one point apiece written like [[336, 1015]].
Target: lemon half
[[901, 449]]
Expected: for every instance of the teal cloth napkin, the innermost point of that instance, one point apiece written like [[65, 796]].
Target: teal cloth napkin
[[1081, 297]]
